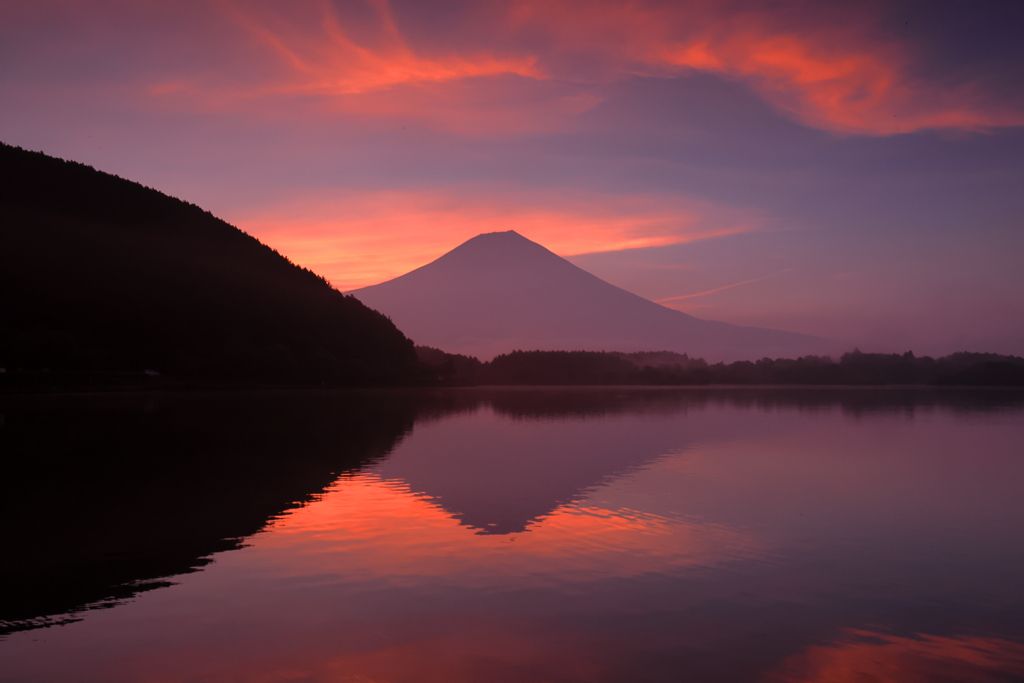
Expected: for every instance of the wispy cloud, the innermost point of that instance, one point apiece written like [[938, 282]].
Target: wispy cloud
[[831, 68], [835, 70], [720, 289], [326, 59]]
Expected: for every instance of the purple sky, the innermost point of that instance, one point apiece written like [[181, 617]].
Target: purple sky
[[852, 170]]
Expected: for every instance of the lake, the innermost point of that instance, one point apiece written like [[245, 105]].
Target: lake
[[506, 535]]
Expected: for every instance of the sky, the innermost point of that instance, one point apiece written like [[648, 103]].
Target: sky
[[852, 170]]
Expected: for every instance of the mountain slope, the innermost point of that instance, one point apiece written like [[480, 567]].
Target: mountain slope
[[100, 273], [500, 291]]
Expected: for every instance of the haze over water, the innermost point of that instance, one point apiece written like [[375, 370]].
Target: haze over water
[[605, 535]]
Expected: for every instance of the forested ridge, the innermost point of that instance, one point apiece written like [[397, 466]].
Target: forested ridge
[[99, 274], [670, 369]]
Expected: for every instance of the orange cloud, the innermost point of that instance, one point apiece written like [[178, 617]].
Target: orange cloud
[[837, 72], [360, 239], [326, 59], [321, 68], [868, 656]]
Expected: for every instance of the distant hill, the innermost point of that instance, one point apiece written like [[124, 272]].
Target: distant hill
[[500, 292], [101, 274]]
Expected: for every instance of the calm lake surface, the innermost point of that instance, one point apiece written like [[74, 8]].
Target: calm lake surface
[[514, 535]]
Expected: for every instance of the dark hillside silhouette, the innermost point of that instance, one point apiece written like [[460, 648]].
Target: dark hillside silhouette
[[101, 274]]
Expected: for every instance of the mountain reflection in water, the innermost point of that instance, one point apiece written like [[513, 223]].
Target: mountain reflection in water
[[515, 535]]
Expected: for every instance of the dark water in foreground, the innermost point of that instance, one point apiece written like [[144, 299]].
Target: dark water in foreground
[[514, 535]]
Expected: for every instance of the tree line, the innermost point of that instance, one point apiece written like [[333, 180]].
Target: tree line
[[666, 368]]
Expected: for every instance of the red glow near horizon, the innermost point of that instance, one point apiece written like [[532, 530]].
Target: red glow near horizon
[[361, 239]]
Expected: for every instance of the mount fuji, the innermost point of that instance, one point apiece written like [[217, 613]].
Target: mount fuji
[[499, 292]]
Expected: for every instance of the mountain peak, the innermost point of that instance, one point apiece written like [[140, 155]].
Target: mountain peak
[[500, 291], [489, 253], [498, 234], [499, 242]]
